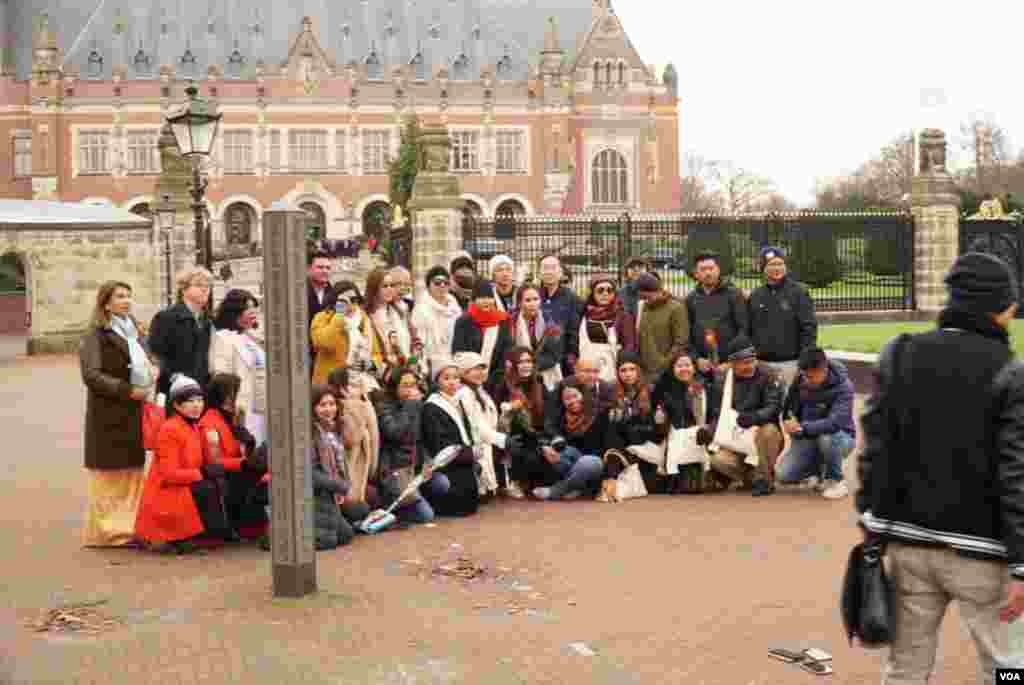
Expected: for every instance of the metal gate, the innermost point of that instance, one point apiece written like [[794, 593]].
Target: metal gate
[[1004, 239]]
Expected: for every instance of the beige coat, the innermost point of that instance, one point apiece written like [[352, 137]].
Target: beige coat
[[362, 445], [230, 352]]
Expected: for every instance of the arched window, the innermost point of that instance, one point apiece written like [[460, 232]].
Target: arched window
[[376, 217], [239, 222], [622, 73], [510, 207], [608, 73], [597, 73], [316, 217], [609, 178]]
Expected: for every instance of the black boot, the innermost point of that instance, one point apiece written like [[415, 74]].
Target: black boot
[[762, 488]]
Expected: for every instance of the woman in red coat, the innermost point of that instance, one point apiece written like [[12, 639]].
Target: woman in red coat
[[182, 498], [237, 453]]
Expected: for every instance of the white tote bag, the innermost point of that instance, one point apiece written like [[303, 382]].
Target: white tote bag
[[681, 446], [728, 433]]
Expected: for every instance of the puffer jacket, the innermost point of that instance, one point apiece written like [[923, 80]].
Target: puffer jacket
[[943, 458], [826, 409], [399, 429], [329, 525], [783, 322]]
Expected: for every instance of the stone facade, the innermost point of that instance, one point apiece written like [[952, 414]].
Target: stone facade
[[551, 112], [66, 264], [936, 209]]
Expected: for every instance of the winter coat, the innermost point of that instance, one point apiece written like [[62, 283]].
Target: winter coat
[[331, 343], [167, 512], [823, 410], [550, 350], [943, 462], [664, 329], [629, 295], [759, 396], [682, 407], [505, 303], [563, 309], [470, 338], [361, 435], [724, 310], [399, 431], [230, 449], [441, 426], [782, 321], [245, 492], [554, 410], [316, 306], [329, 525], [238, 353], [483, 422], [634, 429], [181, 345], [435, 324], [113, 421], [594, 441]]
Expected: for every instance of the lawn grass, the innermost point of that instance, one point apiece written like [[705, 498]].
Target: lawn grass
[[871, 337]]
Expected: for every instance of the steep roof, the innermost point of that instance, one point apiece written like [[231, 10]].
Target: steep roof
[[264, 31], [607, 39]]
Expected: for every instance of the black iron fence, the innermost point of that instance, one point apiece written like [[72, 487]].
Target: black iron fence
[[850, 261], [1002, 238]]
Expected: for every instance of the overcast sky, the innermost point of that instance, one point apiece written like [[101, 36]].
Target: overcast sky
[[795, 90]]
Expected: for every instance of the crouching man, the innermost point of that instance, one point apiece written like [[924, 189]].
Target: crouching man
[[757, 398]]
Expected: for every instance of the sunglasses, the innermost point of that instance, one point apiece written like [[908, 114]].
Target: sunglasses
[[439, 282], [604, 290]]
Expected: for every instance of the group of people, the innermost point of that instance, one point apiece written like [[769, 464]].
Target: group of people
[[531, 385]]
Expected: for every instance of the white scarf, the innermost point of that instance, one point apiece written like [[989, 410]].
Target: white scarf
[[550, 377], [391, 318], [449, 405], [140, 375], [435, 323]]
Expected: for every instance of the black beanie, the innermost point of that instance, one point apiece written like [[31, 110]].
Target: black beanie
[[483, 290], [769, 253], [813, 358], [981, 283], [628, 358], [648, 283]]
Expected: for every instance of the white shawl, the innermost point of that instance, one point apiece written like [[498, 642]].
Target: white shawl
[[435, 324], [450, 407]]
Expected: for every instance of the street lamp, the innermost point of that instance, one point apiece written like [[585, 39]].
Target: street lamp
[[195, 125], [165, 211]]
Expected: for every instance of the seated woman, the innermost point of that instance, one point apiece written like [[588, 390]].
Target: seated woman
[[399, 408], [359, 433], [574, 456], [453, 490], [235, 444], [342, 334], [483, 419], [631, 425], [482, 329], [545, 340], [183, 496], [606, 329], [332, 512], [681, 402], [521, 405]]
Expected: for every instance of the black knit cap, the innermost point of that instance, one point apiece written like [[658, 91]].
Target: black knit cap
[[628, 358], [434, 272], [813, 358], [981, 283], [483, 290], [648, 283], [740, 348]]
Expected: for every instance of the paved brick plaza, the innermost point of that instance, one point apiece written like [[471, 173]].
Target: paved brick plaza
[[662, 590]]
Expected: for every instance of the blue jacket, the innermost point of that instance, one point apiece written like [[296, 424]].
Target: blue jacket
[[564, 309], [826, 409]]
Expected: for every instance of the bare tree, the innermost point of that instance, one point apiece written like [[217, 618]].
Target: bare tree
[[695, 185], [882, 181], [742, 190], [995, 172]]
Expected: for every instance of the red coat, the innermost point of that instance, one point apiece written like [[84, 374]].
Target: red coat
[[230, 448], [167, 512]]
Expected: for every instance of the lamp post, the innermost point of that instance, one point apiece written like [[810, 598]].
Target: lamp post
[[166, 214], [195, 125]]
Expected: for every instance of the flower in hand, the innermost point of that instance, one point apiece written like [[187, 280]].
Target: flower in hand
[[704, 436]]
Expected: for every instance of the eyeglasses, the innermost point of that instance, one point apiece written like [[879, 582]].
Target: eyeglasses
[[439, 282], [604, 290]]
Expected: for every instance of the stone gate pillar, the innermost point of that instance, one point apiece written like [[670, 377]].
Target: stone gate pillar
[[935, 205], [437, 208]]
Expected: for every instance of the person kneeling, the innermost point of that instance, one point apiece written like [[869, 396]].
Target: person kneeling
[[572, 455], [183, 496], [757, 398]]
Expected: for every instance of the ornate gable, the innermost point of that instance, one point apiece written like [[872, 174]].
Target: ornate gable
[[607, 40], [307, 61]]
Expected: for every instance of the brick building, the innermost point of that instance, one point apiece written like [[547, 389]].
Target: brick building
[[550, 109]]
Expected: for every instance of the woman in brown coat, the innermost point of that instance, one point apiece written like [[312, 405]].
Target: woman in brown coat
[[118, 377]]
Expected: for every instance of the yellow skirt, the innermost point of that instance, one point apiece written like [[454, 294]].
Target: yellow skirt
[[113, 502]]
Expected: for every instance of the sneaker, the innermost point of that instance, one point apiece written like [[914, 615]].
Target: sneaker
[[761, 488], [542, 493], [574, 494], [813, 483], [515, 491], [835, 489]]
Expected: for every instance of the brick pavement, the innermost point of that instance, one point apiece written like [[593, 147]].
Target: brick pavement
[[663, 590]]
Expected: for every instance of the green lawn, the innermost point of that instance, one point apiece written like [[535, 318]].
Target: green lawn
[[871, 337]]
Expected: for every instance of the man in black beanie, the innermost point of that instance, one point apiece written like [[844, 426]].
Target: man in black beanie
[[942, 473]]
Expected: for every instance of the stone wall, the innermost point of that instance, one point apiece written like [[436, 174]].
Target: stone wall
[[67, 265]]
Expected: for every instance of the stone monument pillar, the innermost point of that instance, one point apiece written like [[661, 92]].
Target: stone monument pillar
[[437, 207], [935, 205], [289, 420], [174, 180]]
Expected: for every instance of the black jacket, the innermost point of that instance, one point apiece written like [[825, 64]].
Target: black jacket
[[782, 321], [564, 309], [554, 410], [759, 396], [469, 338], [723, 309], [631, 429], [679, 405], [437, 431], [181, 344], [399, 423], [943, 460]]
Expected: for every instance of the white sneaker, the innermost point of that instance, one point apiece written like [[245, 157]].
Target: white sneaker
[[514, 491], [813, 483], [542, 493], [835, 489]]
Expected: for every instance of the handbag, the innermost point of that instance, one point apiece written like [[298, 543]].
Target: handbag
[[728, 433], [866, 603], [681, 447], [628, 484]]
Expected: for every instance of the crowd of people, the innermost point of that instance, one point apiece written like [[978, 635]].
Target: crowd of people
[[532, 385]]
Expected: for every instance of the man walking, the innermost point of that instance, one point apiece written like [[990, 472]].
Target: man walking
[[717, 311], [782, 319], [942, 474]]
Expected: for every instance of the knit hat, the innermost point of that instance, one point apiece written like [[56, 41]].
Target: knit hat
[[770, 253], [648, 283], [483, 290], [813, 358], [740, 348], [184, 388], [602, 278], [434, 272], [981, 283], [499, 260], [628, 358], [638, 262], [439, 364], [468, 360], [462, 260]]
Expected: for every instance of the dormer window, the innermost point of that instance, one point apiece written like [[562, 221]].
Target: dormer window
[[188, 62], [142, 62], [622, 74], [504, 66], [95, 64], [419, 64], [597, 73], [460, 66], [373, 67], [235, 63]]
